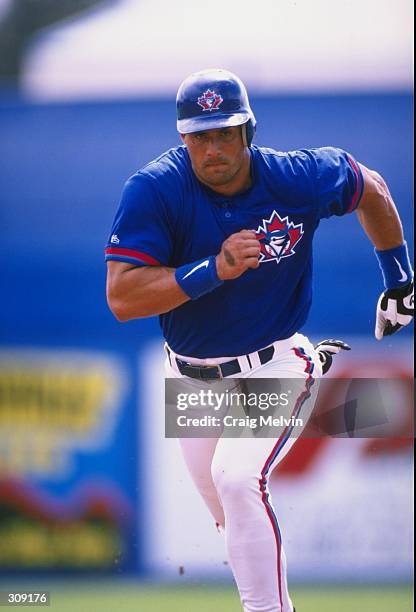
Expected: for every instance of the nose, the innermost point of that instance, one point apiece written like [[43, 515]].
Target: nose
[[213, 148]]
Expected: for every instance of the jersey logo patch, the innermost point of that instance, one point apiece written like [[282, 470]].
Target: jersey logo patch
[[278, 236], [210, 100]]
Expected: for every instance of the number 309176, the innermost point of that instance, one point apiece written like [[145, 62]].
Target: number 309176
[[24, 598]]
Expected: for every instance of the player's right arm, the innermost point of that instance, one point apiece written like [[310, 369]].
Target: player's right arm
[[134, 292]]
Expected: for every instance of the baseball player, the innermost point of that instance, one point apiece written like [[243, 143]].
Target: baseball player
[[215, 236]]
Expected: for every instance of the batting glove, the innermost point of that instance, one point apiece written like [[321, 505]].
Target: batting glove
[[395, 309], [327, 349]]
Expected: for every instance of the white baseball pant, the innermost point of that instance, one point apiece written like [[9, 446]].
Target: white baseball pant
[[231, 474]]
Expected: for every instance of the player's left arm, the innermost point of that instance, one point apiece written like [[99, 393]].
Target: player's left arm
[[380, 220]]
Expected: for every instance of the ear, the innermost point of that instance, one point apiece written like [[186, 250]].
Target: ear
[[182, 137]]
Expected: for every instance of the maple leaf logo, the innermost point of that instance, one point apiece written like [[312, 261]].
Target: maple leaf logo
[[278, 236], [210, 100]]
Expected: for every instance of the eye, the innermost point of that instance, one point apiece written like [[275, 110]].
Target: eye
[[227, 135], [198, 137]]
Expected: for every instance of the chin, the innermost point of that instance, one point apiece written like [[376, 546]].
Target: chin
[[218, 178]]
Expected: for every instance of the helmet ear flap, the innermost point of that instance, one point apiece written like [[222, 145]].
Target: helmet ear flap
[[248, 130]]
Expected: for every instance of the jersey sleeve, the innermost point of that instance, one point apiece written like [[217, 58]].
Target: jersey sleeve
[[339, 182], [141, 232]]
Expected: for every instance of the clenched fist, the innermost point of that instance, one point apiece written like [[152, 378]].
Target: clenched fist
[[238, 253]]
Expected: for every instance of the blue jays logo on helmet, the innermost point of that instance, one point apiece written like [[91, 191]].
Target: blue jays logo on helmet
[[278, 236], [210, 100]]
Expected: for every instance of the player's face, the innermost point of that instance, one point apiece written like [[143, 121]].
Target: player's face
[[219, 158]]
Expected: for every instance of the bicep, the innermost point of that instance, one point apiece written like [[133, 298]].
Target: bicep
[[115, 269], [121, 276], [134, 292], [377, 212], [375, 190]]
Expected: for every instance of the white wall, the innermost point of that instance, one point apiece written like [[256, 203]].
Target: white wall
[[147, 47]]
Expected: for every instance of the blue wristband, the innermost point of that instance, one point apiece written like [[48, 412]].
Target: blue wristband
[[395, 266], [198, 277]]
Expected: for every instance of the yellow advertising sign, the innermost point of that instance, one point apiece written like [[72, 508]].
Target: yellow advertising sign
[[53, 403]]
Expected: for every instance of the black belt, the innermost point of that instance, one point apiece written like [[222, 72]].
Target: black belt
[[215, 372]]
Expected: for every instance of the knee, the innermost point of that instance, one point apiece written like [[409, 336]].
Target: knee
[[232, 482], [218, 474]]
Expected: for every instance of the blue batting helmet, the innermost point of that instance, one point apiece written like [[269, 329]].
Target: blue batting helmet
[[213, 99]]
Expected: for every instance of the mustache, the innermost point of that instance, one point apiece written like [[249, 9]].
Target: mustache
[[215, 162]]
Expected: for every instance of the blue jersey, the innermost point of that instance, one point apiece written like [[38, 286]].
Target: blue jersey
[[167, 217]]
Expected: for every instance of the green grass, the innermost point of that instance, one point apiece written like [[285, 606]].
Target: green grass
[[131, 598]]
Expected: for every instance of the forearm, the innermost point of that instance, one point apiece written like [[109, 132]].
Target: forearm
[[134, 292], [381, 222], [142, 292], [377, 213]]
